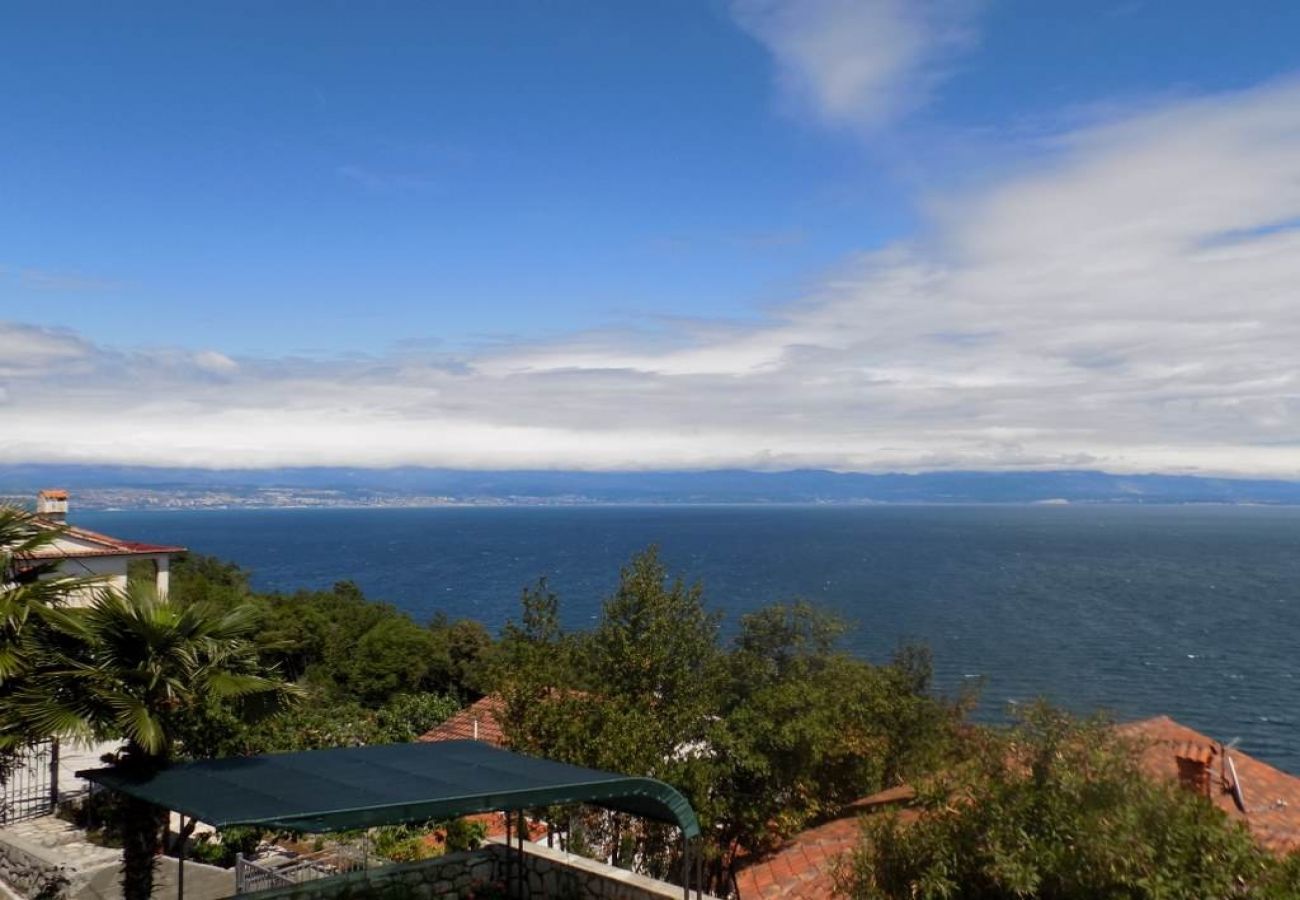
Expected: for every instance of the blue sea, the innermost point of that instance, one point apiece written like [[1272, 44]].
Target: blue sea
[[1190, 611]]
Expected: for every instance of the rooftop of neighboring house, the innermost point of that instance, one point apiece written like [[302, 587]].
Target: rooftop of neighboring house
[[80, 542], [480, 722], [803, 868], [76, 543], [477, 722], [1270, 798]]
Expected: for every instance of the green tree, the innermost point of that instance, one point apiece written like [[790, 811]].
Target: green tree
[[394, 656], [656, 643], [134, 666], [1059, 809], [534, 671], [626, 695], [635, 695], [27, 586], [407, 716], [343, 646], [762, 737], [196, 578], [807, 728], [469, 651]]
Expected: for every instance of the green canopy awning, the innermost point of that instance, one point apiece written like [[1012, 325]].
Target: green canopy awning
[[388, 784]]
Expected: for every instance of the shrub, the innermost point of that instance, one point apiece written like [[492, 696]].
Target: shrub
[[1059, 809]]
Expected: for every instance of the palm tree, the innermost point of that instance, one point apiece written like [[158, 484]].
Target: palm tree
[[133, 666], [27, 584]]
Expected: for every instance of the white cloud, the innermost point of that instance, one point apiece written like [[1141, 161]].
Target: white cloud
[[1131, 305], [214, 362], [857, 62], [36, 350]]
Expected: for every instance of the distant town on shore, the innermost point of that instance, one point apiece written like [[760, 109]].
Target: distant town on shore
[[124, 487]]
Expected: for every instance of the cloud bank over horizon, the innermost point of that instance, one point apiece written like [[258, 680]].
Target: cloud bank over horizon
[[1128, 303]]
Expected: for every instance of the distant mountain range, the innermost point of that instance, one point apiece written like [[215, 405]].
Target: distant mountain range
[[118, 485]]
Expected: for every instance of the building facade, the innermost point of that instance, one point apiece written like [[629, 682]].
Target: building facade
[[110, 561]]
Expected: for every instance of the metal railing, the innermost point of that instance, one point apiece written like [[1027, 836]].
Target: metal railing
[[259, 876], [249, 876], [29, 788]]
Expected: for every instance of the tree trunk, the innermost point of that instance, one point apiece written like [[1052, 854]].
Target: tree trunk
[[142, 827], [141, 843]]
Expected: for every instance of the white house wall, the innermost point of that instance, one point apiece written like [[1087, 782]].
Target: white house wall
[[110, 571]]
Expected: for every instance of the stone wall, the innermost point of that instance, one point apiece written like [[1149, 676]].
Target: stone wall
[[30, 872], [550, 873], [444, 878], [49, 859]]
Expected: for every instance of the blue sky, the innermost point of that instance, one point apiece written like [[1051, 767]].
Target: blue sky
[[567, 206]]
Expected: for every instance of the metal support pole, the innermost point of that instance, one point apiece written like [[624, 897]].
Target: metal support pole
[[524, 888], [54, 774], [686, 867], [510, 854], [180, 863], [187, 828]]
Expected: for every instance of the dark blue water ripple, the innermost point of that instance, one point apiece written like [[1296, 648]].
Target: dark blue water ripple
[[1189, 611]]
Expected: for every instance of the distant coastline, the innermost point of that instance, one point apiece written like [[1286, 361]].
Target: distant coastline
[[143, 488], [91, 500]]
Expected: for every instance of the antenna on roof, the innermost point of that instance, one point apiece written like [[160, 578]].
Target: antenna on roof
[[1238, 795]]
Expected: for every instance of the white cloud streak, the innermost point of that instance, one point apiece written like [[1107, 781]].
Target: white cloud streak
[[860, 63], [1131, 305]]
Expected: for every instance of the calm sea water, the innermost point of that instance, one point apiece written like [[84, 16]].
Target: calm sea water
[[1189, 611]]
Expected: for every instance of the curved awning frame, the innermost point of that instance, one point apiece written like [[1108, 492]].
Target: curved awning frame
[[349, 788]]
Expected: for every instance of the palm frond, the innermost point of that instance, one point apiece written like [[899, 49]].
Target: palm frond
[[129, 663]]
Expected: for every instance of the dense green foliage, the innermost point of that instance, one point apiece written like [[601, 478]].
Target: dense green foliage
[[26, 589], [339, 642], [134, 665], [764, 733], [1058, 809], [368, 672], [408, 843]]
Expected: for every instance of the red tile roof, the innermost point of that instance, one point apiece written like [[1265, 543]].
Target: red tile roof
[[803, 868], [1272, 797], [103, 545], [479, 721]]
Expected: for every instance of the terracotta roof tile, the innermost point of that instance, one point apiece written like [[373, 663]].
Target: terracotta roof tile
[[103, 546], [478, 721], [803, 868], [1272, 797]]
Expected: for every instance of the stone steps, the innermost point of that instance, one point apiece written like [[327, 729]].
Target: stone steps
[[49, 856]]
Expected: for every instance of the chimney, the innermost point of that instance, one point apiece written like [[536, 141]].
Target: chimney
[[1195, 762], [52, 505]]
